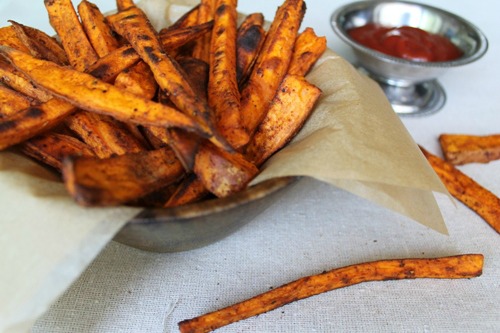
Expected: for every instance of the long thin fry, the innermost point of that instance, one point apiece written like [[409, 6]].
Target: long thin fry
[[65, 22], [18, 81], [97, 29], [307, 50], [134, 26], [249, 41], [8, 37], [205, 14], [40, 44], [32, 121], [272, 63], [455, 267], [89, 93], [223, 92], [466, 190]]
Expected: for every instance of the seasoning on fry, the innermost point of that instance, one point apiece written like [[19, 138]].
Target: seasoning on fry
[[466, 190], [455, 267]]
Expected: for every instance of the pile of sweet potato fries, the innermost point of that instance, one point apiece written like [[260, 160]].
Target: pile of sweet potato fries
[[130, 115]]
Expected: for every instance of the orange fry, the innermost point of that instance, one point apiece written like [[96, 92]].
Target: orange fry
[[466, 190], [12, 102], [308, 49], [272, 63], [65, 22], [461, 149], [289, 109], [455, 267], [134, 26], [98, 31], [91, 94], [223, 93]]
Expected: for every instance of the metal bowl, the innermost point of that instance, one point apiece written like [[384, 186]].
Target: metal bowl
[[199, 224], [410, 86]]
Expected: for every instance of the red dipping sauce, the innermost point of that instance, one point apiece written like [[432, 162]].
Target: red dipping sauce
[[406, 42]]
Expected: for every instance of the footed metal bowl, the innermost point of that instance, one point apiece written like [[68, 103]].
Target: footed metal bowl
[[199, 224], [410, 86]]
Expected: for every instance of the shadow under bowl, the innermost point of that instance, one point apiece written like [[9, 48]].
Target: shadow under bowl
[[200, 224]]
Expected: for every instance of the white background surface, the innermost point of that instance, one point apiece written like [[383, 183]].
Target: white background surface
[[313, 228]]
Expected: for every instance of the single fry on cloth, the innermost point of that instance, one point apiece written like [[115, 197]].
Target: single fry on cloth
[[461, 149], [288, 111], [91, 94], [466, 190], [455, 267], [223, 92], [272, 63], [121, 179]]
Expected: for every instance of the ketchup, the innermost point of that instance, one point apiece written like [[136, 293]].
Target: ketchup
[[406, 42]]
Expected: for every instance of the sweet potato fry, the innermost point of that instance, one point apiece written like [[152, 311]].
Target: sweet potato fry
[[89, 93], [104, 135], [223, 92], [97, 29], [52, 148], [184, 144], [134, 26], [8, 37], [222, 173], [205, 14], [110, 66], [190, 190], [461, 149], [18, 81], [124, 4], [174, 38], [190, 18], [138, 80], [289, 109], [65, 22], [12, 102], [466, 190], [249, 41], [455, 267], [272, 63], [32, 121], [40, 44], [307, 50], [120, 179]]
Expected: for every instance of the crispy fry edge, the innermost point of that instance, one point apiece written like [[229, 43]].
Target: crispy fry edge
[[454, 267]]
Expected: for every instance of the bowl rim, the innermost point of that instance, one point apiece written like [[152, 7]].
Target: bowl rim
[[212, 206], [339, 12]]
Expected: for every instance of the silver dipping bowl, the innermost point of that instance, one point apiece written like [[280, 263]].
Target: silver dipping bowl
[[410, 86]]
